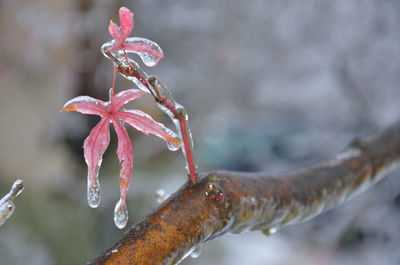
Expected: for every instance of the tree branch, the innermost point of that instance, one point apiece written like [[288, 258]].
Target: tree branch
[[231, 202]]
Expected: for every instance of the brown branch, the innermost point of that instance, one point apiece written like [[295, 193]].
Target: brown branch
[[231, 202]]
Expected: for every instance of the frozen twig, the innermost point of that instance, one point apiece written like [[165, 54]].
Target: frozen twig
[[231, 202], [161, 94], [7, 205]]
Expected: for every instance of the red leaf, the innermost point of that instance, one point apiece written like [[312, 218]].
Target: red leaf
[[145, 124], [125, 97], [116, 33], [126, 20], [94, 147], [86, 105], [125, 156]]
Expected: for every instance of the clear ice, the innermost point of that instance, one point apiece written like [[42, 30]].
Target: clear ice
[[93, 192], [120, 215], [196, 252], [161, 196], [166, 94]]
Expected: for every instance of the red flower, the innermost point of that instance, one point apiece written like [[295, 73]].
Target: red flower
[[99, 137], [148, 50]]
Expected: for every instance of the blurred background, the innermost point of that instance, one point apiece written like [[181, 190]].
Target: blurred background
[[269, 85]]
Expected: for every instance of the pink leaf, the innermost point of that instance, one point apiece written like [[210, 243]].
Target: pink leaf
[[125, 156], [126, 20], [116, 32], [145, 124], [86, 105], [94, 147], [125, 97]]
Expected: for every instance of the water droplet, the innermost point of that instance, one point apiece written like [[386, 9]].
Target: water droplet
[[215, 192], [196, 252], [270, 231], [93, 193], [273, 230], [120, 215], [173, 146]]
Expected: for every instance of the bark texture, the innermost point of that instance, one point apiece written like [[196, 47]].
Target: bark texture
[[232, 202]]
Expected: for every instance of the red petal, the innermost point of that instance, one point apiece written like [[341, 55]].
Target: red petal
[[116, 32], [125, 156], [124, 97], [95, 145], [145, 124], [126, 20], [86, 105]]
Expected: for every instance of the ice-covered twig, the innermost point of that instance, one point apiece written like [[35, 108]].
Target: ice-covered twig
[[7, 205], [231, 202], [151, 84]]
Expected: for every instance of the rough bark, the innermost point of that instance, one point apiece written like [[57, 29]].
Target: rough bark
[[231, 202]]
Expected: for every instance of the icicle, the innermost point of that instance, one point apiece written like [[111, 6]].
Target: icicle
[[7, 205], [196, 252], [93, 190], [120, 214]]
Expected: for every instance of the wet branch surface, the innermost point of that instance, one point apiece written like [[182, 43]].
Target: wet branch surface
[[231, 202]]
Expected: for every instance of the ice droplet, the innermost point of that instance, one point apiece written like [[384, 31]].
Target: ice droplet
[[269, 231], [93, 193], [161, 196], [173, 146], [196, 252], [120, 215]]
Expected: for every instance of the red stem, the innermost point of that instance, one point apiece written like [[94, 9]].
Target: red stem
[[113, 81], [182, 124]]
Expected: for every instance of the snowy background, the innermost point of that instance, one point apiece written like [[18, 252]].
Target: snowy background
[[269, 86]]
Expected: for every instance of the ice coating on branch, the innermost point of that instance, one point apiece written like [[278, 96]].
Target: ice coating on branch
[[165, 94], [7, 205], [120, 214]]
